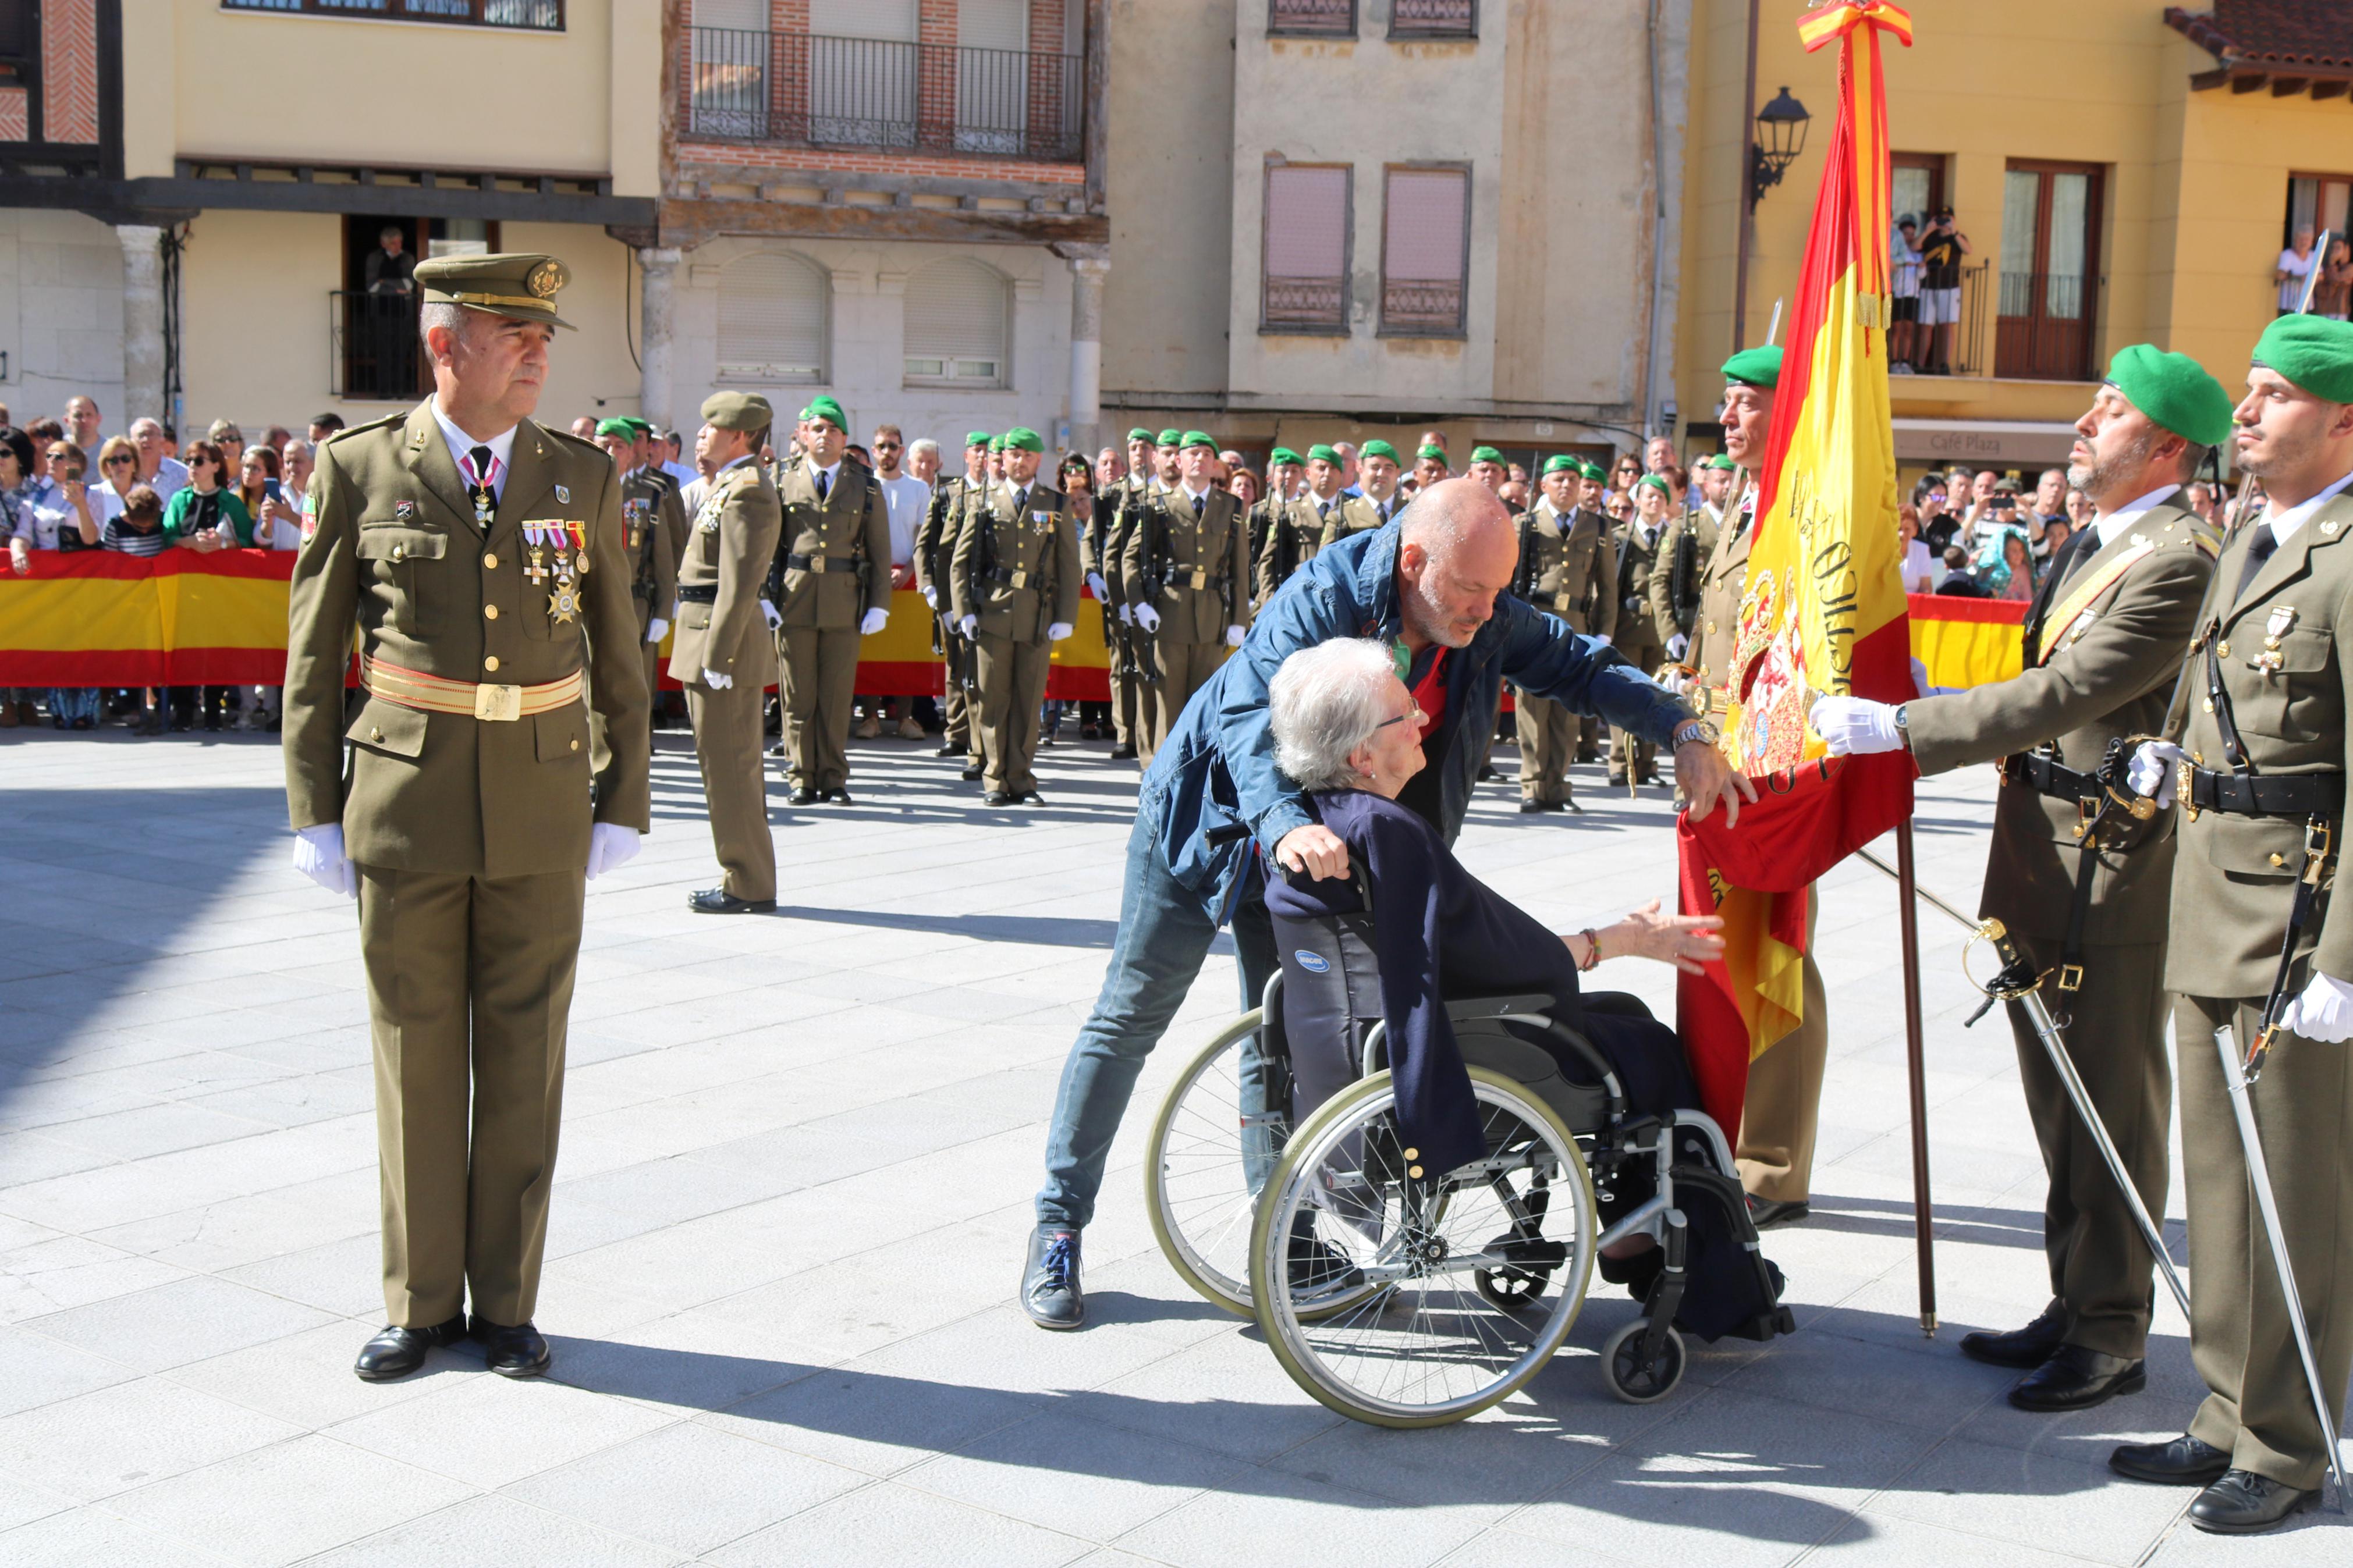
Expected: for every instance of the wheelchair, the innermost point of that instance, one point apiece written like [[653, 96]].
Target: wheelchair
[[1397, 1295]]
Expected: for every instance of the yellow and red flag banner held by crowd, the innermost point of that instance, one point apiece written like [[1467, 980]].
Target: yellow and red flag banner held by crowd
[[1822, 609]]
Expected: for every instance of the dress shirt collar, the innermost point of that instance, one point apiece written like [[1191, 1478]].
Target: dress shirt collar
[[2110, 524], [461, 447], [1192, 496], [2283, 524], [830, 474]]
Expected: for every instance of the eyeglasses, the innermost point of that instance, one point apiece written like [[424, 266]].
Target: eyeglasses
[[111, 462], [886, 445], [1398, 720]]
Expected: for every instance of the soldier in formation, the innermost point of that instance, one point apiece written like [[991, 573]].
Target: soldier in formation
[[653, 528], [1633, 760], [1188, 571], [1015, 581], [1284, 467], [1564, 556], [1685, 547], [934, 554], [829, 586]]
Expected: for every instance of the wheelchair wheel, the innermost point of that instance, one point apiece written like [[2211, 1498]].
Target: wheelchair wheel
[[1634, 1377], [1410, 1338], [1198, 1187]]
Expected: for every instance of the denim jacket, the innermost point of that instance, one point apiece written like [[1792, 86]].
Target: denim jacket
[[1214, 783]]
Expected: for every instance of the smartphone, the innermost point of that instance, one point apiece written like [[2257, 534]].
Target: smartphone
[[273, 490]]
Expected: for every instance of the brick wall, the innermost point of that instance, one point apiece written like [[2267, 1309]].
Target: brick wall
[[15, 117], [69, 71]]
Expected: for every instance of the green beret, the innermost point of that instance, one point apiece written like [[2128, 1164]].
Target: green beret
[[1324, 455], [2313, 352], [1721, 461], [1167, 438], [642, 426], [1196, 438], [1486, 455], [1594, 471], [1656, 483], [1755, 367], [975, 438], [620, 429], [2174, 391], [1561, 462], [996, 443], [521, 286], [1282, 455], [1024, 439], [826, 409], [1139, 433], [745, 411], [1431, 450], [1378, 449]]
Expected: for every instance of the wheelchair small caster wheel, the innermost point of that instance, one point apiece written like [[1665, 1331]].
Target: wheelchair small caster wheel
[[1633, 1379]]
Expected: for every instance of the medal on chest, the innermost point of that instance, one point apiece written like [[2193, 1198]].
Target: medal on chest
[[2271, 659]]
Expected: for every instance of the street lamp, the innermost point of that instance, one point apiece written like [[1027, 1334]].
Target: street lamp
[[1781, 136]]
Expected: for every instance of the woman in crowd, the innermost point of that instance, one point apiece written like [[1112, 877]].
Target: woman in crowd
[[206, 516], [137, 530], [18, 490], [258, 491], [1624, 472], [67, 519], [1920, 571], [2009, 574], [1243, 487]]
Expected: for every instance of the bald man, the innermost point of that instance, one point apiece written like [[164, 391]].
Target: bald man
[[1434, 587]]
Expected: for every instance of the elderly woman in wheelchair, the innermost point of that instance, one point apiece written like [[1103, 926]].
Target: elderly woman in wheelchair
[[1462, 1130]]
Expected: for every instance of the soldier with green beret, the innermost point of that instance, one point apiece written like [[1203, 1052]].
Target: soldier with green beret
[[1567, 567], [1377, 472], [1639, 540], [1284, 485], [2255, 757], [935, 542], [1130, 659], [830, 585], [1487, 466], [1685, 550], [1321, 513], [651, 519], [2103, 638], [1016, 582], [1188, 570], [1430, 464], [475, 558]]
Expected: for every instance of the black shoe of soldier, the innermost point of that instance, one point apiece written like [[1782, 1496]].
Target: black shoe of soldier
[[2076, 1378], [1000, 797], [949, 749], [1530, 805], [397, 1351], [777, 750], [2183, 1461], [805, 796], [1123, 753], [971, 774], [1763, 1213], [1587, 754], [720, 901], [1034, 798], [2244, 1504], [839, 796], [1617, 781], [2027, 1347], [517, 1352], [1050, 1279], [1485, 772]]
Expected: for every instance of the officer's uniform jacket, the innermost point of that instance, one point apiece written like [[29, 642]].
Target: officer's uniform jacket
[[655, 474], [1098, 546], [1703, 527], [1566, 563], [1716, 626], [936, 536], [1018, 571], [391, 552], [1354, 514], [843, 546], [654, 534], [1194, 571], [1294, 532], [1635, 632], [729, 544], [2098, 668], [2282, 652]]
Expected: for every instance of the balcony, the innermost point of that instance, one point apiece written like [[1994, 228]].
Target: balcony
[[1310, 19], [372, 349], [2044, 325], [1421, 308], [802, 89], [1304, 305], [531, 15], [1434, 18]]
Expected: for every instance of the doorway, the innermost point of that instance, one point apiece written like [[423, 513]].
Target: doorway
[[2050, 282]]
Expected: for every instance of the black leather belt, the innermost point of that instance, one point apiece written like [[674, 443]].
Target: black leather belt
[[2266, 794], [821, 564], [2043, 776], [698, 594]]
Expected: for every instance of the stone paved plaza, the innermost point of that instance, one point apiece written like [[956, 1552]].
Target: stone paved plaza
[[795, 1176]]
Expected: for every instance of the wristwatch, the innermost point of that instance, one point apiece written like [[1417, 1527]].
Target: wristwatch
[[1691, 730], [1904, 724]]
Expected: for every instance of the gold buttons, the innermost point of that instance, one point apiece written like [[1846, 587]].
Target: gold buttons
[[2278, 858], [400, 552], [490, 612], [490, 562], [378, 735], [492, 662], [1711, 628], [1413, 1154], [2224, 650], [575, 745], [2207, 703]]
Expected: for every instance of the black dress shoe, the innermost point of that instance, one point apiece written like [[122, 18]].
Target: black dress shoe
[[1766, 1213], [2076, 1378], [1587, 754], [839, 796], [971, 774], [1033, 797], [397, 1352], [1485, 772], [720, 901], [804, 796], [1530, 805], [1123, 753], [777, 750], [2244, 1504], [518, 1351], [1000, 797], [949, 749], [1050, 1279], [2027, 1347], [2184, 1461], [1617, 781]]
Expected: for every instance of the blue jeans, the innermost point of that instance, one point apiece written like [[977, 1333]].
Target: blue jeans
[[1162, 938]]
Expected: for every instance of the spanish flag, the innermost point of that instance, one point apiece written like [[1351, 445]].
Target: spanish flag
[[1822, 609]]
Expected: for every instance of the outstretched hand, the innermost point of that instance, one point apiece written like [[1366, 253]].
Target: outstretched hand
[[1687, 941], [1706, 779]]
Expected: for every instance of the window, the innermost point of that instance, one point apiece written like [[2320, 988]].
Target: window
[[2050, 271], [533, 16], [1304, 281], [1310, 19], [1433, 18], [772, 309], [1919, 185], [2316, 201], [958, 321], [1425, 250]]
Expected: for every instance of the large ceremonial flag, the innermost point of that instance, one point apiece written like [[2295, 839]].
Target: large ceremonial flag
[[1822, 611]]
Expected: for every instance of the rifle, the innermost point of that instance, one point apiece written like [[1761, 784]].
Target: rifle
[[935, 521], [1524, 582], [1683, 596], [1627, 605]]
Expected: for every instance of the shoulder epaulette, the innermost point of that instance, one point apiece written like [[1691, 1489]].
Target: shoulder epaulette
[[389, 421]]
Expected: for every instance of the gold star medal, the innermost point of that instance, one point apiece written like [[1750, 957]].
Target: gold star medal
[[563, 604]]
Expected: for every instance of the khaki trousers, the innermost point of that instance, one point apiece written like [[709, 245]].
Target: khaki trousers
[[470, 988], [1783, 1109], [2101, 1270], [954, 711], [727, 735], [1645, 655], [1122, 691], [820, 671], [2258, 1411], [1184, 668], [1012, 690], [1546, 738]]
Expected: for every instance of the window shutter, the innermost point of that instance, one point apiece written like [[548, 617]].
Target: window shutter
[[1423, 230], [1306, 246], [956, 323], [772, 320]]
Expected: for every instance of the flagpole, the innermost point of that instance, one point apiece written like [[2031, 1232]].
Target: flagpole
[[1917, 1070]]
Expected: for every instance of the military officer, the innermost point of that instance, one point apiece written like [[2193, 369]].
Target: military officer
[[1685, 547], [1188, 568], [832, 585], [1428, 464], [1322, 512], [2260, 718], [1282, 487], [1562, 555], [934, 553], [2104, 640], [1132, 698], [647, 509], [1377, 464], [723, 655], [1016, 583], [476, 556], [1487, 466], [1637, 636]]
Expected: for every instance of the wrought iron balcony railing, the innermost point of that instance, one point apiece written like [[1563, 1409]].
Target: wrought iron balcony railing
[[1306, 304], [1310, 19], [1420, 308]]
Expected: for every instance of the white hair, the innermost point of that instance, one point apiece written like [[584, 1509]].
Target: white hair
[[1324, 703], [441, 313], [921, 445]]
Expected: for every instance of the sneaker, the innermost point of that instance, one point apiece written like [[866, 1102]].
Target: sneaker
[[870, 729], [909, 730], [1050, 1281]]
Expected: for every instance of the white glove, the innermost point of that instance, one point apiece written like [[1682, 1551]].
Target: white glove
[[874, 621], [1234, 635], [610, 846], [1601, 637], [965, 624], [319, 855], [1059, 631], [1919, 678], [2152, 772], [657, 629], [1670, 681], [1095, 583], [1147, 617], [716, 681], [769, 610], [1856, 726], [2324, 1014], [1127, 615], [1678, 645], [931, 597]]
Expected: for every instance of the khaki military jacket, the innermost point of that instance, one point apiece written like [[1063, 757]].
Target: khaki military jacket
[[2281, 651], [2103, 674], [1354, 514], [1568, 567], [1098, 549], [668, 484], [1701, 527], [1194, 571], [1636, 635], [654, 534], [1293, 535], [392, 556], [731, 543], [936, 535], [843, 543], [1019, 571], [1716, 626]]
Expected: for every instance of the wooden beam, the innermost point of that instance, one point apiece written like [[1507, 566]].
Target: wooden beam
[[2206, 81], [2289, 86], [2321, 90], [2251, 81]]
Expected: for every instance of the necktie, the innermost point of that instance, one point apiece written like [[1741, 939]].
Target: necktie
[[2259, 549], [1020, 502], [1322, 511], [1199, 502], [821, 487], [481, 475]]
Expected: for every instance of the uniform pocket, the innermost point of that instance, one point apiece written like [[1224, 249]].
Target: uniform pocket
[[388, 728], [408, 564], [561, 734], [2290, 703]]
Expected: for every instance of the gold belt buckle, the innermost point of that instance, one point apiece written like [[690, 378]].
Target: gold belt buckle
[[1020, 580], [2070, 977], [2181, 777], [1200, 577], [816, 564], [498, 704]]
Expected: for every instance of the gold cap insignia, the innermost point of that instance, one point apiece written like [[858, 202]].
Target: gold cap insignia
[[545, 279]]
